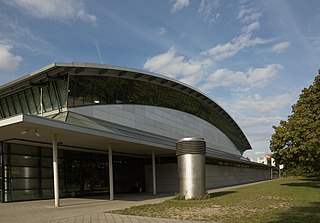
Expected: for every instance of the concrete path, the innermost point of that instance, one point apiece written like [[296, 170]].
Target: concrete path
[[81, 210], [86, 210]]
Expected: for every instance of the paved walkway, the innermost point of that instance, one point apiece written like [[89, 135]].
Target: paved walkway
[[86, 210]]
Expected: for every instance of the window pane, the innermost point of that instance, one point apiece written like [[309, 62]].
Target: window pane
[[36, 94], [22, 160], [62, 92], [23, 101], [46, 100], [31, 101], [53, 97], [11, 106], [19, 195], [17, 103], [24, 149], [24, 172], [5, 108]]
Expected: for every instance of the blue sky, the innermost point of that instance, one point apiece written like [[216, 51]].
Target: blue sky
[[252, 57]]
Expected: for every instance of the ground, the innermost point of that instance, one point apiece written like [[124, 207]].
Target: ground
[[283, 200]]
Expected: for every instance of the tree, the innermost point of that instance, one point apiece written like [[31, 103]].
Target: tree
[[296, 142]]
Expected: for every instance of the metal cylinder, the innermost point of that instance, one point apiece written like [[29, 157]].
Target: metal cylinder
[[191, 167]]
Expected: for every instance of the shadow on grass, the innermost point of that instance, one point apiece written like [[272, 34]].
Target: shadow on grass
[[310, 214], [307, 182], [221, 193]]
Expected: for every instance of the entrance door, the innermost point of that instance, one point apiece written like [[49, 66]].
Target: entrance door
[[128, 174]]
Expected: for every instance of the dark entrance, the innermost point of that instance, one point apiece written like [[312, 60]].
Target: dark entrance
[[26, 173], [87, 174], [128, 174]]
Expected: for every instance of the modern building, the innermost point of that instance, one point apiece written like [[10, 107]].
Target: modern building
[[81, 129]]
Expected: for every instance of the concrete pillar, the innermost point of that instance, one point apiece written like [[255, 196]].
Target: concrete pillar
[[154, 181], [110, 172], [191, 167], [55, 170]]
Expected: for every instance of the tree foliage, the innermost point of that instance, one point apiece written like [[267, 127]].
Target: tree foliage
[[296, 142]]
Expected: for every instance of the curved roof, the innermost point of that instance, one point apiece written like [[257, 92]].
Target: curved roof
[[224, 121]]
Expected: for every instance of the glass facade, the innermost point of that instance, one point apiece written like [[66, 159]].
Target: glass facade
[[92, 90], [27, 101], [26, 173]]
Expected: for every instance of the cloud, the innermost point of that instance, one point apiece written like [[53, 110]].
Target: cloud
[[208, 10], [8, 61], [315, 41], [177, 67], [280, 47], [61, 10], [161, 31], [247, 15], [249, 28], [179, 4], [264, 105], [229, 49], [256, 78]]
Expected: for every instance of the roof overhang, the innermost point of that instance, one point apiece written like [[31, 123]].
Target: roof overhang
[[21, 129]]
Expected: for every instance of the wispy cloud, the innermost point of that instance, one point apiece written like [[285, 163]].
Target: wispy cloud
[[179, 4], [280, 47], [8, 60], [208, 10], [247, 15], [264, 104], [61, 10], [161, 31], [229, 49], [315, 41], [252, 26], [256, 78], [176, 66]]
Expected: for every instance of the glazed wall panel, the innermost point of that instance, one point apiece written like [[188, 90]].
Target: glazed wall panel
[[161, 121]]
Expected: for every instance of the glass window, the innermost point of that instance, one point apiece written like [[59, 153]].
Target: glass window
[[46, 173], [46, 162], [36, 95], [24, 103], [23, 160], [31, 101], [24, 172], [47, 183], [24, 149], [46, 99], [47, 152], [17, 103], [5, 108], [1, 112], [61, 86], [10, 105], [53, 97], [19, 195], [89, 90]]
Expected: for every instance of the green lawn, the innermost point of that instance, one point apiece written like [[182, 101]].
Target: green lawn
[[283, 200]]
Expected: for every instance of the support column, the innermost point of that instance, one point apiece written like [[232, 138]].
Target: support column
[[154, 182], [110, 172], [55, 170]]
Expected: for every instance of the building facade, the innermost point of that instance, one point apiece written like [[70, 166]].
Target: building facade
[[83, 129]]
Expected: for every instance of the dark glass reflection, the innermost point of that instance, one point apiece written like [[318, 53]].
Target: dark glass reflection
[[90, 90], [28, 101]]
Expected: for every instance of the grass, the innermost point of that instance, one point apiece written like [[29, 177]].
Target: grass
[[283, 200]]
